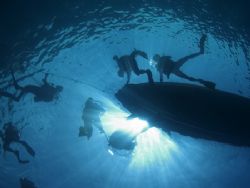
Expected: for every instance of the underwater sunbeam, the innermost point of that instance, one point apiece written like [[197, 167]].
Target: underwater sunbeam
[[153, 147], [115, 120]]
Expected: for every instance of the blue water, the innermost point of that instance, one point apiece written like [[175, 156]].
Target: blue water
[[74, 41]]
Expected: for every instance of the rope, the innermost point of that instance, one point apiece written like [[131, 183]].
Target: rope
[[64, 77]]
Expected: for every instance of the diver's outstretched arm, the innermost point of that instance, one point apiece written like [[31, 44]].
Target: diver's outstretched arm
[[27, 147], [45, 79], [15, 152]]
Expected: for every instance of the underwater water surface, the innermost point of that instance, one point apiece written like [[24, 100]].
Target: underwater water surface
[[74, 43]]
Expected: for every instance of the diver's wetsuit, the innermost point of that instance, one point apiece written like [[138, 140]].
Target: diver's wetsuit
[[10, 135], [165, 65], [127, 63], [91, 117]]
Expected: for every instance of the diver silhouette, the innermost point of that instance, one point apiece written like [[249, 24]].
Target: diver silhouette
[[46, 92], [26, 183], [91, 117], [12, 134], [8, 95], [123, 139], [165, 65], [128, 63]]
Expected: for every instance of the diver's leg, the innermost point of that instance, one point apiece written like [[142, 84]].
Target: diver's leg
[[45, 79], [88, 127], [201, 45], [98, 125], [15, 152], [208, 84], [138, 71], [27, 147], [90, 132], [182, 75], [183, 60], [161, 76], [128, 76], [150, 76], [148, 72]]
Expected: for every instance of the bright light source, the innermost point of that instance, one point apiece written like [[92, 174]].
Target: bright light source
[[151, 62], [113, 121], [153, 146]]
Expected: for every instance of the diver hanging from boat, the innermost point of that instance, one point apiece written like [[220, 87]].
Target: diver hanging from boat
[[128, 64], [10, 135], [165, 65]]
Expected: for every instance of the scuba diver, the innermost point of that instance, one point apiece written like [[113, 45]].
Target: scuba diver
[[91, 116], [8, 95], [26, 183], [127, 64], [12, 134], [122, 140], [165, 65], [46, 92]]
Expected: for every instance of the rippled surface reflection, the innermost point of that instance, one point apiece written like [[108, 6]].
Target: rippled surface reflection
[[74, 42]]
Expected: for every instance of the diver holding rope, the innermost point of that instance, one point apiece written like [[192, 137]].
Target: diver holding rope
[[46, 92]]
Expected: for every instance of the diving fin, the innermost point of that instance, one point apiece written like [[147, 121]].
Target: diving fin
[[29, 150]]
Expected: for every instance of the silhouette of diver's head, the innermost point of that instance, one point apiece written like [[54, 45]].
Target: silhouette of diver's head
[[156, 58], [90, 100], [94, 105], [115, 57]]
